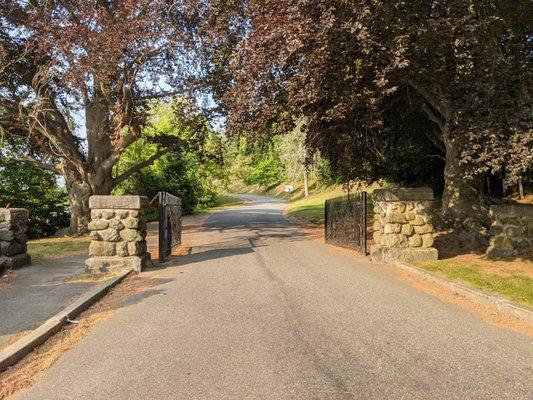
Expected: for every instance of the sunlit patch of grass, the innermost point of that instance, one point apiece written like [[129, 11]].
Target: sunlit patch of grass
[[513, 285], [50, 248], [311, 209]]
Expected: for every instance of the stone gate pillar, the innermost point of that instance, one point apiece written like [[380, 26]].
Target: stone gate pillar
[[402, 225], [118, 232], [13, 227]]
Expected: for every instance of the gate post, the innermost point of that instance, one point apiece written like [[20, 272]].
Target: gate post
[[402, 225], [118, 232], [13, 227]]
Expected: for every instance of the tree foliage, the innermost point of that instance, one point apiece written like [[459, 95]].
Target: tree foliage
[[24, 186], [191, 172], [92, 63], [375, 78]]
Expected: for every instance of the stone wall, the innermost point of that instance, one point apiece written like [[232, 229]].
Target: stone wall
[[118, 232], [13, 227], [402, 225], [511, 231]]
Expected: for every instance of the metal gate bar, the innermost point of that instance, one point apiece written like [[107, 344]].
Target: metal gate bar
[[345, 221], [170, 213]]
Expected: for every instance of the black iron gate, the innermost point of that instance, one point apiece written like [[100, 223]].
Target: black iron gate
[[345, 221], [170, 213]]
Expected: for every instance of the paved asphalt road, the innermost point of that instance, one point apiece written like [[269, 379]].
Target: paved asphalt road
[[259, 311]]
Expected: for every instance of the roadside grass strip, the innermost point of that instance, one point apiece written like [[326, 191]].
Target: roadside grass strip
[[511, 283], [50, 248]]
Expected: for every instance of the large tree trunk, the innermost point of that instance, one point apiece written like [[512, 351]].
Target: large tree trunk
[[96, 179], [80, 188], [462, 205]]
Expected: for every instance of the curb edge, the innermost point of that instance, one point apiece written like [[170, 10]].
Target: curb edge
[[475, 295], [26, 344]]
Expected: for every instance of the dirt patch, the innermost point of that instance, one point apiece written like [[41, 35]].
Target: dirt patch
[[182, 249], [6, 279], [25, 373], [488, 314]]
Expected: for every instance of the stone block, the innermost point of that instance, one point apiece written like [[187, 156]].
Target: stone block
[[377, 236], [118, 202], [407, 229], [496, 228], [503, 242], [116, 223], [405, 255], [21, 237], [513, 231], [96, 214], [6, 235], [108, 214], [122, 249], [98, 224], [511, 210], [427, 240], [131, 235], [12, 248], [522, 244], [123, 214], [14, 215], [402, 194], [132, 223], [109, 235], [106, 235], [136, 248], [394, 240], [98, 248], [415, 241], [102, 265], [395, 218], [421, 229], [14, 262], [418, 220], [392, 228], [501, 254]]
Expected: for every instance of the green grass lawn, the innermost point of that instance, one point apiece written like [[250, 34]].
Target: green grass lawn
[[50, 248], [510, 279], [311, 209]]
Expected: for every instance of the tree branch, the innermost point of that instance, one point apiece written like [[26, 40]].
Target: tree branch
[[39, 164], [146, 163], [441, 107], [434, 117]]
